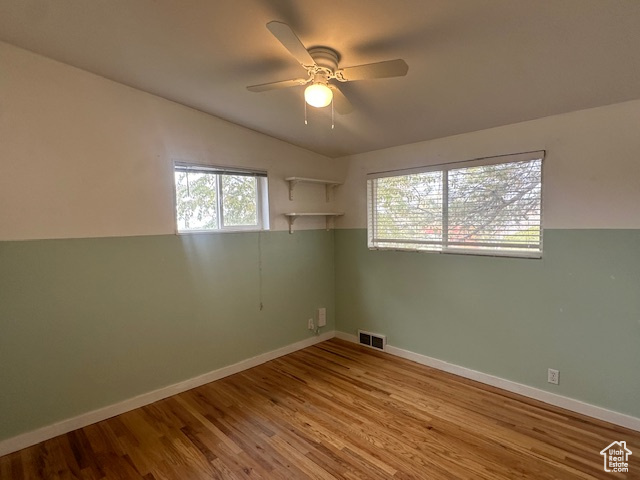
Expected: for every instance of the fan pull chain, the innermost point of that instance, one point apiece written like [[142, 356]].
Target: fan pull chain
[[305, 112], [332, 115]]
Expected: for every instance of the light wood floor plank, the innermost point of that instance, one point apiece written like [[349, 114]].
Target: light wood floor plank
[[333, 411]]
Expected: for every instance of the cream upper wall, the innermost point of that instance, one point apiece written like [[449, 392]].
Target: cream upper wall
[[591, 171], [82, 156]]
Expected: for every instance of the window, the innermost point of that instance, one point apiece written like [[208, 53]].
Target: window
[[216, 198], [489, 206]]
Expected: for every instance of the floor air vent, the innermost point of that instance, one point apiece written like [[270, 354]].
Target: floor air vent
[[374, 340]]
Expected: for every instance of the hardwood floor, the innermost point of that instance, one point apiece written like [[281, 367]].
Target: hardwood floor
[[335, 410]]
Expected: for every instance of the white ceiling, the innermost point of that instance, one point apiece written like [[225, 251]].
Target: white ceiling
[[473, 64]]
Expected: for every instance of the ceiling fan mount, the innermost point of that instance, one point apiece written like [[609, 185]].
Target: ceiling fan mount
[[324, 67], [321, 64]]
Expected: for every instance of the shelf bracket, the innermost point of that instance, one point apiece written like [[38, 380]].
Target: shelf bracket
[[292, 184], [291, 220], [329, 188]]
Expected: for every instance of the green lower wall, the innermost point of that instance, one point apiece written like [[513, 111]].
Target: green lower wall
[[576, 310], [86, 323]]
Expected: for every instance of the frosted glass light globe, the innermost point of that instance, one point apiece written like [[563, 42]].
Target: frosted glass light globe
[[318, 95]]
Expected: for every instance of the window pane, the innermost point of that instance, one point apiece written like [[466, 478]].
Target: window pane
[[240, 200], [494, 205], [409, 207], [196, 204], [471, 207]]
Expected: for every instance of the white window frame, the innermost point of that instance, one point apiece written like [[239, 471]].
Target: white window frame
[[374, 243], [262, 197]]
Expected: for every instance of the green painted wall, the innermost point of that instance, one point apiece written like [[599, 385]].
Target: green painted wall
[[577, 310], [86, 323]]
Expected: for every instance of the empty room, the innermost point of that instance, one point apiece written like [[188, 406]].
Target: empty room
[[282, 239]]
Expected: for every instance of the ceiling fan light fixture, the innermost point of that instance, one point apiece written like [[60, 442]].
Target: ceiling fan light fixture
[[318, 95]]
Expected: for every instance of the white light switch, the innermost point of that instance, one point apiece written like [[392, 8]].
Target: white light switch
[[322, 317]]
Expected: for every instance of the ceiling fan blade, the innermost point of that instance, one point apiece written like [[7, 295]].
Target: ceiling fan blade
[[340, 102], [389, 68], [276, 85], [291, 42]]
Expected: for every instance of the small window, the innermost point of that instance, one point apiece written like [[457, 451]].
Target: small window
[[220, 199], [491, 206]]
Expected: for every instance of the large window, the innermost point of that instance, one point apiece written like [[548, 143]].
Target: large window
[[491, 206], [212, 198]]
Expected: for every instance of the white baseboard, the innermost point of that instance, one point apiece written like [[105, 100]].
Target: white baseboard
[[547, 397], [24, 440], [36, 436]]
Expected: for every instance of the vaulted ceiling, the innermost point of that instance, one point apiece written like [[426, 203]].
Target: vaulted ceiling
[[473, 64]]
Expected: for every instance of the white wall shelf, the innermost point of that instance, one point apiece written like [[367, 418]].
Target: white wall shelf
[[329, 184], [329, 217]]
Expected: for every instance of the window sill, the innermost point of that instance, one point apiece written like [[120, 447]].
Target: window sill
[[492, 253], [239, 230]]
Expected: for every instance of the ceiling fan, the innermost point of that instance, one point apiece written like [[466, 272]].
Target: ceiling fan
[[321, 64]]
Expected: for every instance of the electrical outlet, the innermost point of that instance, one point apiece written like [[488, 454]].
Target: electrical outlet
[[310, 325], [553, 376], [322, 317]]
